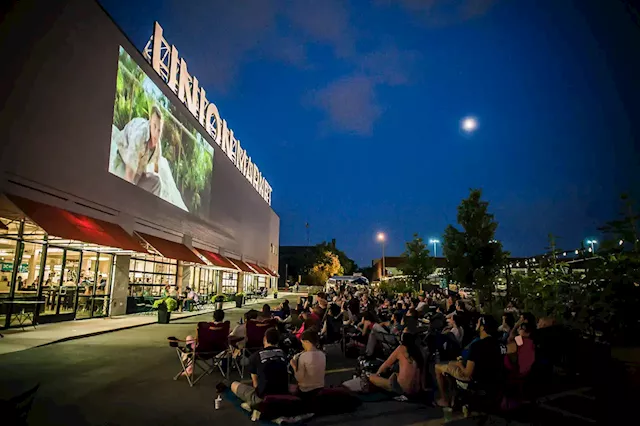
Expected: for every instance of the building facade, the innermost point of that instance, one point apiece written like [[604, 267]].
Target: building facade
[[112, 184]]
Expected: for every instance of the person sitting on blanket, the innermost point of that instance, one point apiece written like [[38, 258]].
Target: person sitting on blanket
[[269, 375], [409, 358], [309, 366]]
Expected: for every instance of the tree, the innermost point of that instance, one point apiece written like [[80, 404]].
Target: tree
[[348, 265], [417, 263], [324, 268], [474, 257]]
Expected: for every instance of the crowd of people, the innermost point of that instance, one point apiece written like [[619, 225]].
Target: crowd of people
[[420, 343]]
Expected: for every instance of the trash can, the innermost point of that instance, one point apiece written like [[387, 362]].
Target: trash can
[[217, 305]]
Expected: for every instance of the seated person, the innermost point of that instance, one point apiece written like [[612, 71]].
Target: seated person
[[410, 321], [455, 329], [332, 328], [521, 353], [269, 375], [283, 310], [218, 318], [484, 365], [372, 331], [508, 322], [525, 317], [309, 366], [322, 305], [408, 379], [422, 306], [265, 314], [294, 320], [239, 334], [397, 327]]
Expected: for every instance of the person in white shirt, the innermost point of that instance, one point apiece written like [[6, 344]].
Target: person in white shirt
[[309, 366]]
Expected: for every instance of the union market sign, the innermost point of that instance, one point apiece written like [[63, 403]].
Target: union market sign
[[173, 70]]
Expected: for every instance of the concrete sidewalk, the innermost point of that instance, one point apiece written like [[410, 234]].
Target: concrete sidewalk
[[17, 339]]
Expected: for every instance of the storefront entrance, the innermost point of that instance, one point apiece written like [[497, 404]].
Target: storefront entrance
[[60, 285]]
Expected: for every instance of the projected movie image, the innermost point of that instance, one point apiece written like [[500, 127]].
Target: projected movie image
[[154, 147]]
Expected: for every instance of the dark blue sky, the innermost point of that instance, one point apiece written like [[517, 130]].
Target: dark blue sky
[[352, 109]]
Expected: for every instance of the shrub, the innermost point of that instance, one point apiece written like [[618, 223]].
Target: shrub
[[169, 303]]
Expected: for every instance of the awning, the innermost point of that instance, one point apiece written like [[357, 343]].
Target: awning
[[242, 266], [218, 259], [260, 270], [171, 250], [62, 223], [273, 273]]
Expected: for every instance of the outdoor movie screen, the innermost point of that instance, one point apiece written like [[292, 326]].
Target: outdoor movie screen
[[154, 146]]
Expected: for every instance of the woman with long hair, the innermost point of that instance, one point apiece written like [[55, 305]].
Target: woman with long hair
[[408, 379]]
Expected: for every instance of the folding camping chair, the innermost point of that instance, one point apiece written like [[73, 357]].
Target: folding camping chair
[[209, 350], [255, 335]]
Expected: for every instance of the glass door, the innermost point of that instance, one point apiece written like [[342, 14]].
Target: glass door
[[61, 284]]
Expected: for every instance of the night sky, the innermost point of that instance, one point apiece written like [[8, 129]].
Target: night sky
[[352, 110]]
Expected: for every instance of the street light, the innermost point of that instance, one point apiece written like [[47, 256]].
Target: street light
[[435, 243], [381, 237], [592, 242]]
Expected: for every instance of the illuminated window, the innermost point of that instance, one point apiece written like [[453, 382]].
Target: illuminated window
[[229, 283], [148, 275]]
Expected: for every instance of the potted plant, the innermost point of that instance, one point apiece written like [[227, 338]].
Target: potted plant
[[165, 306], [275, 294], [239, 299], [218, 300]]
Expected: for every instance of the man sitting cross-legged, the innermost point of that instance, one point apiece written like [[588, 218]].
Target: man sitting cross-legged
[[269, 375]]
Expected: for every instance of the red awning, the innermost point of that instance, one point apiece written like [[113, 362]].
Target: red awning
[[171, 250], [272, 273], [260, 270], [242, 266], [218, 259], [73, 226]]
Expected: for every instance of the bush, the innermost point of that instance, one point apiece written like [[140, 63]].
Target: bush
[[219, 298], [169, 303]]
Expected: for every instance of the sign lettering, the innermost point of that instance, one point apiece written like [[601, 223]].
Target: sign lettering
[[165, 60]]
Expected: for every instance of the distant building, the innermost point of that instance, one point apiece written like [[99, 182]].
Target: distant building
[[520, 265]]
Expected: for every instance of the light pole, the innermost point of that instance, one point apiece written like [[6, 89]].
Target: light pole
[[435, 246], [381, 237], [592, 242]]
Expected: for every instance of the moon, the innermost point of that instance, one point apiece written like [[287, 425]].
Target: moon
[[469, 124]]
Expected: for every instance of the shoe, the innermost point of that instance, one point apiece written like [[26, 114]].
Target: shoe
[[246, 407]]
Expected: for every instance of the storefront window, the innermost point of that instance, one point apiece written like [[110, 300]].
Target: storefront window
[[95, 285], [150, 274], [206, 283], [7, 258], [249, 283], [262, 281], [70, 280], [229, 283], [52, 278]]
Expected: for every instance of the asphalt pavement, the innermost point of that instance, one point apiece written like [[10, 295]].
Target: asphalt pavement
[[126, 378]]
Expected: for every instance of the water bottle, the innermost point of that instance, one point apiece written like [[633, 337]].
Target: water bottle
[[218, 401]]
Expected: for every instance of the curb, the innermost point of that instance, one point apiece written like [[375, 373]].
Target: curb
[[97, 333]]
